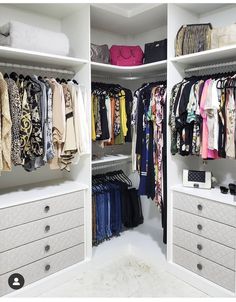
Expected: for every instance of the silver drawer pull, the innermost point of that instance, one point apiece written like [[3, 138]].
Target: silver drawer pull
[[46, 209], [199, 206], [47, 248], [199, 226], [199, 266], [47, 267], [199, 247], [47, 228]]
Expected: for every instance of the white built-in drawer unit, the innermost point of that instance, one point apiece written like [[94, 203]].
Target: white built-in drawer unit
[[206, 248], [40, 209], [29, 232], [204, 235], [205, 268], [39, 249], [205, 208], [44, 267], [42, 233]]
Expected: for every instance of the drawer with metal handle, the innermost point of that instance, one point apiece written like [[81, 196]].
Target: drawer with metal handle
[[207, 228], [27, 212], [216, 211], [209, 249], [45, 267], [29, 232], [39, 249], [204, 268]]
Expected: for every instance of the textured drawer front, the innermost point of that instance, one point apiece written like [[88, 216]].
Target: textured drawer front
[[37, 271], [33, 231], [37, 250], [210, 270], [212, 230], [211, 250], [27, 212], [206, 208]]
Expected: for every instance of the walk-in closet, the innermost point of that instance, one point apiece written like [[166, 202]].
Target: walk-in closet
[[117, 150]]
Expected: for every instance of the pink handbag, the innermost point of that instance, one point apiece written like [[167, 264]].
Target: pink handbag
[[126, 55]]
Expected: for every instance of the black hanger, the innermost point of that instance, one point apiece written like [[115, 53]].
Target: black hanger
[[63, 81], [14, 76], [75, 82]]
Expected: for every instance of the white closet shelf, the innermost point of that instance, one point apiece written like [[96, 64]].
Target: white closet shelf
[[122, 71], [215, 55], [212, 194], [27, 193], [111, 158], [14, 55]]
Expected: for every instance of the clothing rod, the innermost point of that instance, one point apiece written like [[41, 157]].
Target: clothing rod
[[210, 66], [12, 65], [130, 77]]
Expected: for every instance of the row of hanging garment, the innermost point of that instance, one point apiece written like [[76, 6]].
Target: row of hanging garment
[[203, 117], [43, 121], [149, 144], [111, 114], [115, 205]]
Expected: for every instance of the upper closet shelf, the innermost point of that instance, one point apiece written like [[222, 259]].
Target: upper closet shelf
[[15, 55], [217, 55], [124, 71]]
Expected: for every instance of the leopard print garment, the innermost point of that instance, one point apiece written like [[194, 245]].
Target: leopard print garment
[[15, 109]]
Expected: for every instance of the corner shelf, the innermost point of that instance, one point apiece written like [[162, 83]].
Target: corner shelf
[[15, 55], [216, 55], [124, 71], [111, 158]]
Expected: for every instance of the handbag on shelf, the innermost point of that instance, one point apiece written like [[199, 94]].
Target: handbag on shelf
[[155, 51], [223, 36], [193, 38], [100, 53], [126, 55], [197, 179]]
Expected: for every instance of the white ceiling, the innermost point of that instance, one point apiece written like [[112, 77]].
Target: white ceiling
[[128, 19], [203, 8]]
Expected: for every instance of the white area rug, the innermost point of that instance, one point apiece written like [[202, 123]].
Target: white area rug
[[126, 276]]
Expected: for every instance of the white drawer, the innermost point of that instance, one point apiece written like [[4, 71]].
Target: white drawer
[[211, 250], [205, 268], [212, 230], [35, 210], [29, 232], [206, 208], [37, 270], [37, 250]]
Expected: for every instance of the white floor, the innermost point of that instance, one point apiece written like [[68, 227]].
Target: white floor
[[123, 267]]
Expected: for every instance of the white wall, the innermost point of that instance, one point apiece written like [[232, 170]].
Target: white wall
[[9, 13]]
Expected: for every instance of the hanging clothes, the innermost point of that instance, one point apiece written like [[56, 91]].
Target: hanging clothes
[[147, 143], [111, 114], [115, 206], [5, 126], [42, 121], [202, 117]]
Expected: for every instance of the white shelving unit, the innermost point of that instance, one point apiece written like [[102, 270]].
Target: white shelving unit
[[216, 55], [111, 158], [122, 71], [12, 55]]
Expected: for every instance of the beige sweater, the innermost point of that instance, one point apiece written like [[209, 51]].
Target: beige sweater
[[5, 127]]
